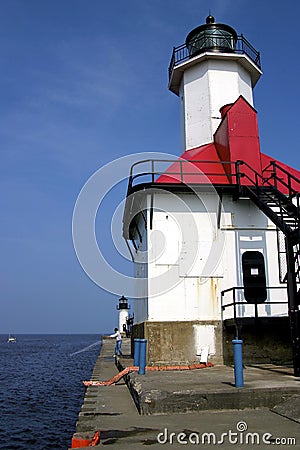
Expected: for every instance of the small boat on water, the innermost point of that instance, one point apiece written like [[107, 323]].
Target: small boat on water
[[11, 339]]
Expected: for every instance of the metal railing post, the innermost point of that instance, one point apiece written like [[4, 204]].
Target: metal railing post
[[242, 40], [181, 173], [152, 170], [222, 309], [238, 173], [234, 305], [290, 186]]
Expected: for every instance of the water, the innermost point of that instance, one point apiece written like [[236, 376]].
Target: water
[[41, 390]]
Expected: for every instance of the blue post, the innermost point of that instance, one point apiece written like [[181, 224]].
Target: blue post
[[238, 362], [137, 344], [143, 348]]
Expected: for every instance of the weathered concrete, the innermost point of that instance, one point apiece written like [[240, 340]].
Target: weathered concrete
[[209, 389], [174, 342], [290, 408], [266, 340], [112, 410]]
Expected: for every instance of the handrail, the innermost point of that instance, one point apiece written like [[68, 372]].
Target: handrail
[[286, 227], [178, 160], [274, 180], [265, 181], [181, 173], [235, 288], [250, 304], [275, 167], [242, 46], [236, 303], [274, 163]]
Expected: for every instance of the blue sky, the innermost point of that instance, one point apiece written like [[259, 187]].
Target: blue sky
[[84, 82]]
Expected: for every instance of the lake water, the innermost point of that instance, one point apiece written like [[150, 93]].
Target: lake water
[[41, 390]]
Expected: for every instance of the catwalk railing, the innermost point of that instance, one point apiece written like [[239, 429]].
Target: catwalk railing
[[148, 171], [237, 300], [183, 171], [208, 43]]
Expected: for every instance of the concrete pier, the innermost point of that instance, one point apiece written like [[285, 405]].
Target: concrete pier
[[180, 407]]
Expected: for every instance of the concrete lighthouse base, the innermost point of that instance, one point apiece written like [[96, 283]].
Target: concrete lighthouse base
[[178, 343], [265, 340]]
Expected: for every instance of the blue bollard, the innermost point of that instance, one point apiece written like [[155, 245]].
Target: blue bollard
[[137, 344], [142, 364], [238, 362]]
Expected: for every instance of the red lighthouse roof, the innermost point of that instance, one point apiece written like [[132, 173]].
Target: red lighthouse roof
[[235, 149]]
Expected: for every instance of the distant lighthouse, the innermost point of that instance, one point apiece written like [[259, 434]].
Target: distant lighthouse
[[123, 309], [209, 71]]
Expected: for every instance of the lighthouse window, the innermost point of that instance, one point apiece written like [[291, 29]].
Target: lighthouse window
[[254, 271]]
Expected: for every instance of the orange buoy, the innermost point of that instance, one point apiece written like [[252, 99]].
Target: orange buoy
[[85, 440]]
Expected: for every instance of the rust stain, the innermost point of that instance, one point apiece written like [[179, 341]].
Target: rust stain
[[214, 288]]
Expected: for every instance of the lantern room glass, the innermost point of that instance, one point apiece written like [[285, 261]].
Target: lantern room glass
[[215, 40]]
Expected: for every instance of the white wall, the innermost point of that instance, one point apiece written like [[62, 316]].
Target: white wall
[[250, 229], [191, 260], [205, 88], [123, 314]]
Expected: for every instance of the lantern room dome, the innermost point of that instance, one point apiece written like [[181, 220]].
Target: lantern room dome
[[123, 303], [211, 36]]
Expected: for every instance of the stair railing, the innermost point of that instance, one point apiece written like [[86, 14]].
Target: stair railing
[[279, 180]]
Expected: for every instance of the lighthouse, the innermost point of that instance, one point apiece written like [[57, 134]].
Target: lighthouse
[[213, 68], [123, 309], [215, 237]]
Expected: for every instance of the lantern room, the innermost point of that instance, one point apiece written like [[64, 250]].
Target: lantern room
[[212, 36]]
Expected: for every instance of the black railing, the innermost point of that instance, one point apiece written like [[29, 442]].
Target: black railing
[[237, 302], [273, 176], [183, 171], [183, 52], [283, 179]]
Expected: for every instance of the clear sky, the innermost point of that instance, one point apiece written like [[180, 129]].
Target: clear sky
[[84, 82]]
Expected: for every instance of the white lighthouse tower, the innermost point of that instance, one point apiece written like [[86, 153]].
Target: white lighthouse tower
[[123, 309], [210, 70]]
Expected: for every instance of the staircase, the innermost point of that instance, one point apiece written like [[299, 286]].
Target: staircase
[[284, 211], [281, 210]]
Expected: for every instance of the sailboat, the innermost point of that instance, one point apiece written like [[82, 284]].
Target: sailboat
[[11, 339]]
